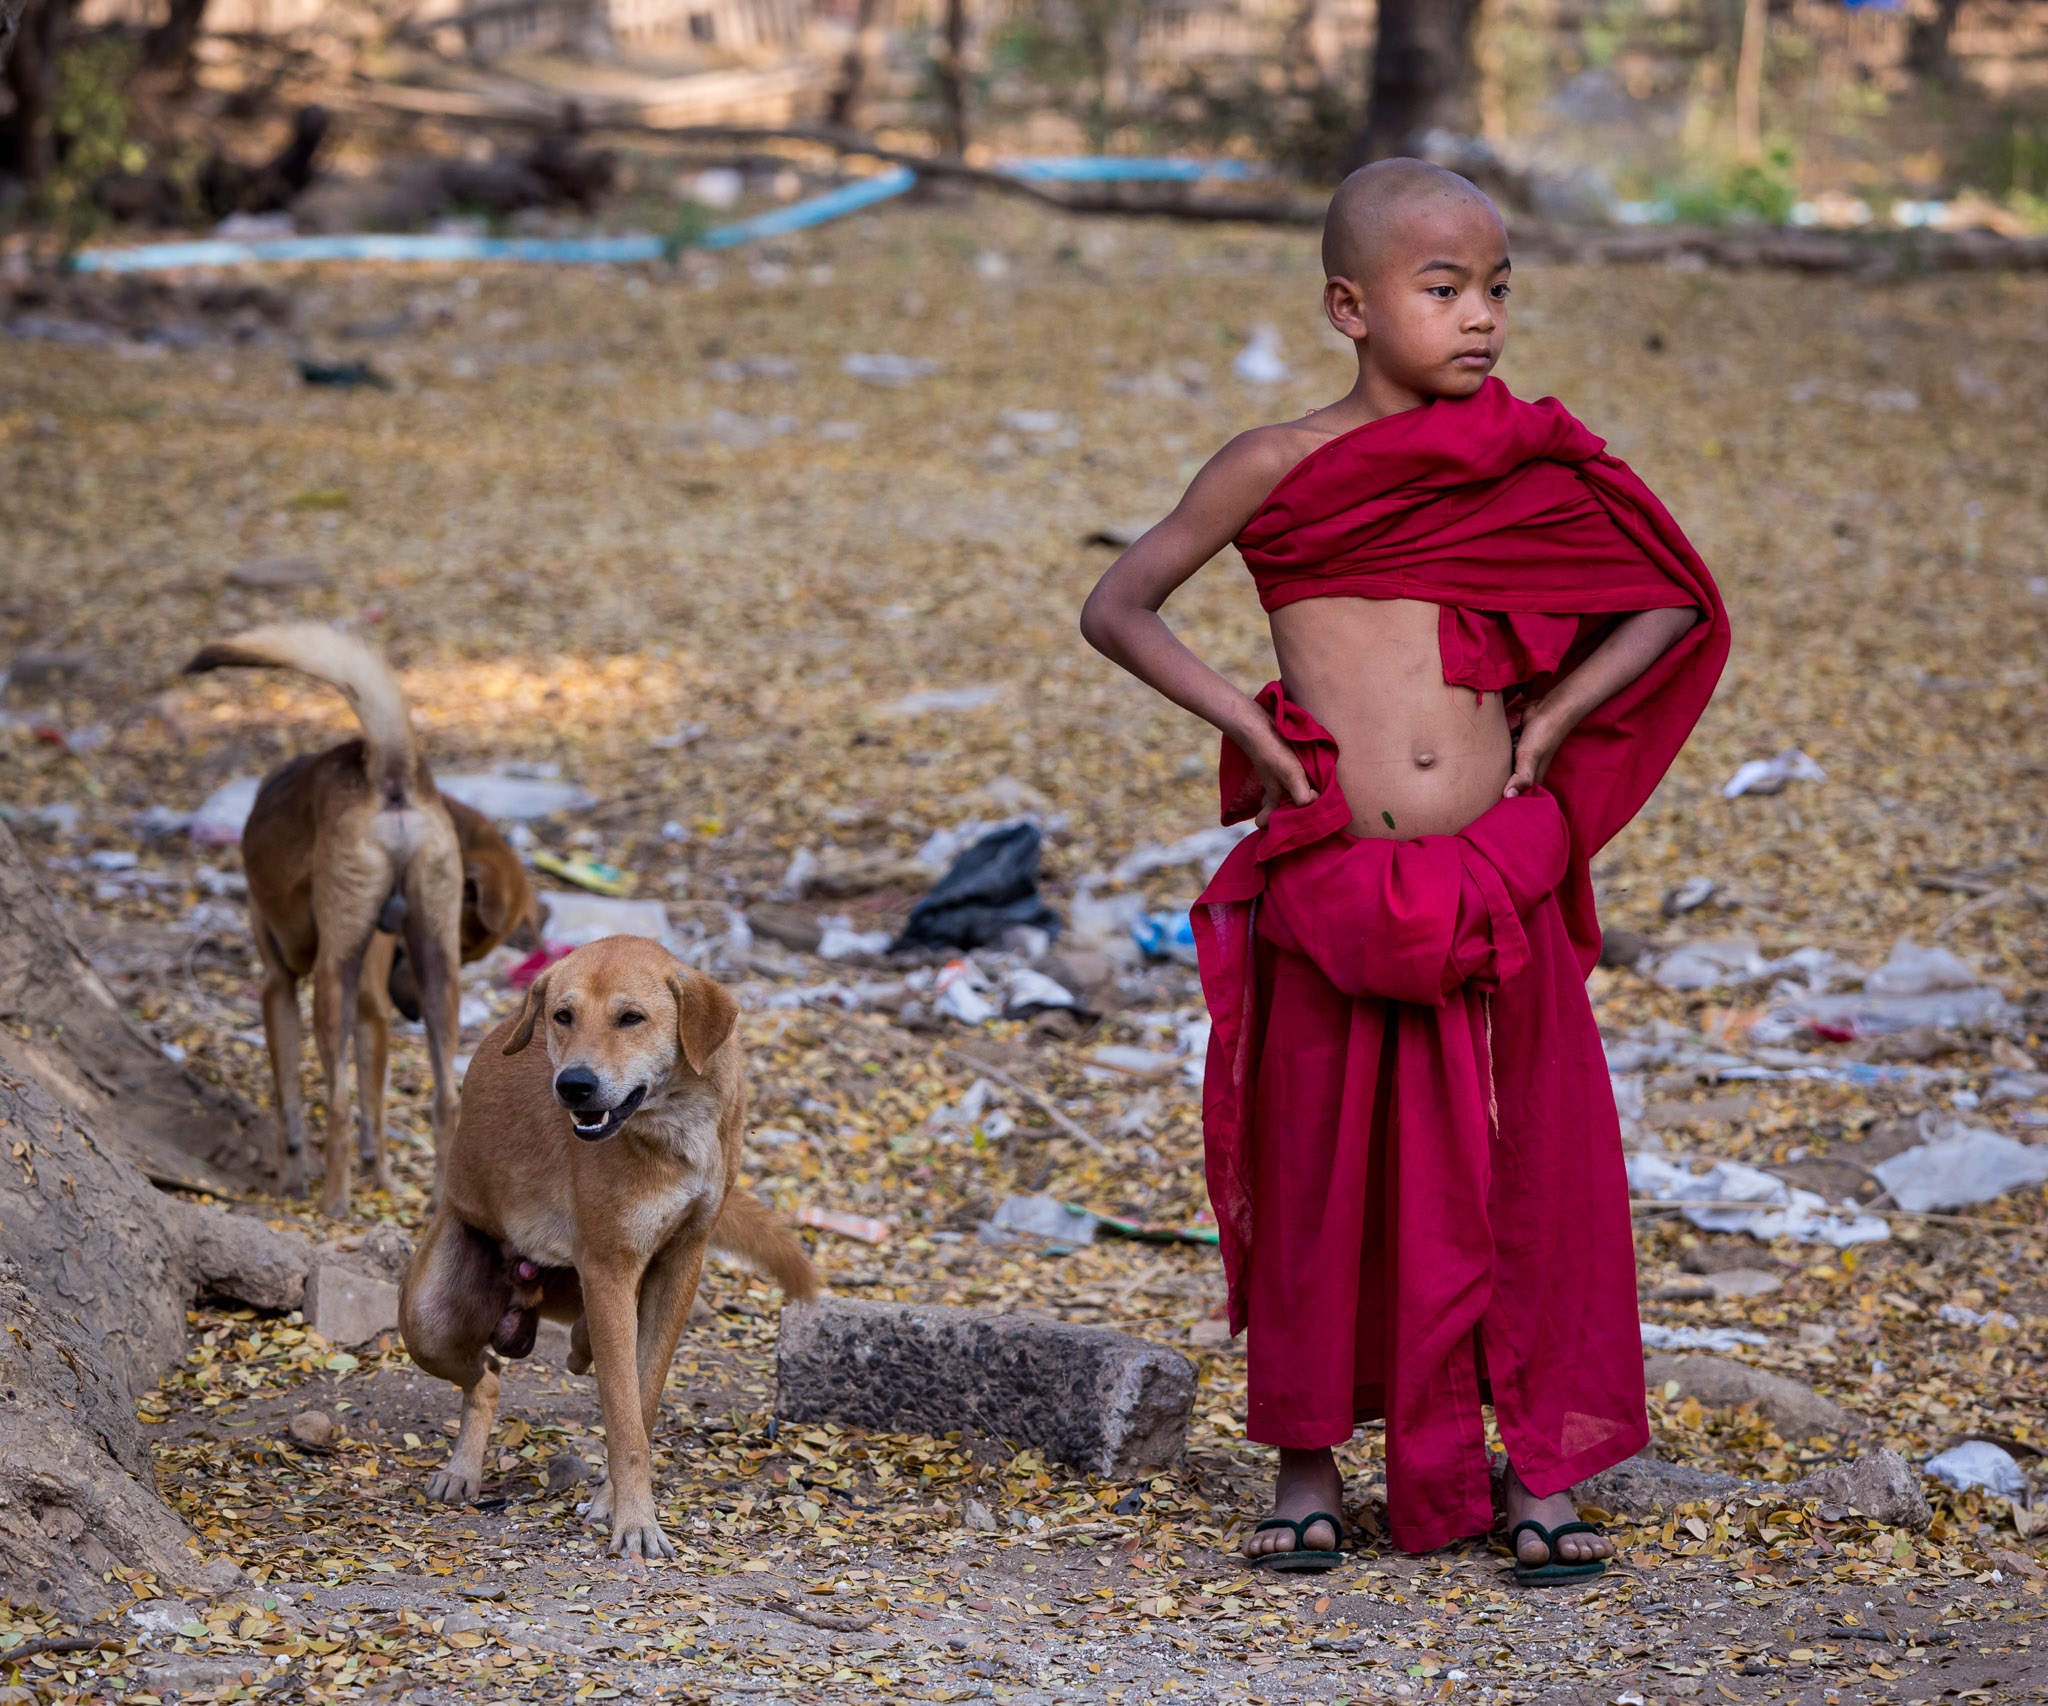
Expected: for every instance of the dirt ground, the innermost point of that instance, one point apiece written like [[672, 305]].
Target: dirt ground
[[643, 525]]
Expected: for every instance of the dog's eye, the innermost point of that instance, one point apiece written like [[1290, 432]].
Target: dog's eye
[[632, 1018], [564, 1017]]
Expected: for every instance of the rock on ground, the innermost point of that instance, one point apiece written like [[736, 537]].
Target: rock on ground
[[1881, 1484], [1794, 1409], [1102, 1401], [346, 1307], [1640, 1486]]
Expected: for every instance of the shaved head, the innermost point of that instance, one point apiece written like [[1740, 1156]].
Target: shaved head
[[1370, 207]]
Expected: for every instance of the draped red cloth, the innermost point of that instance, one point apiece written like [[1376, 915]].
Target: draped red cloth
[[1412, 1147]]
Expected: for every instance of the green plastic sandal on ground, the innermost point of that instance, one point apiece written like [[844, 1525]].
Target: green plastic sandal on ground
[[1303, 1556], [1551, 1570]]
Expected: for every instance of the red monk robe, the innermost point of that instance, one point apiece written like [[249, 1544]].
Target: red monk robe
[[1412, 1145]]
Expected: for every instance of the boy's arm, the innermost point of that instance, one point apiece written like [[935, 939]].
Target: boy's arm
[[1121, 619], [1637, 642]]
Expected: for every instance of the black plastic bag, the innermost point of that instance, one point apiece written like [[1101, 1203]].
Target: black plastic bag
[[992, 886]]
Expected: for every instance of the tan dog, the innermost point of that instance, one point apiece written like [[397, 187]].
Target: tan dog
[[586, 1180], [338, 844]]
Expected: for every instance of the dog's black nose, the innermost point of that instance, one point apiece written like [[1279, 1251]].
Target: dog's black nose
[[575, 1086]]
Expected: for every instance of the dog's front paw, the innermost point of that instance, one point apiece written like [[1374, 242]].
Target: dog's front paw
[[641, 1540], [453, 1486]]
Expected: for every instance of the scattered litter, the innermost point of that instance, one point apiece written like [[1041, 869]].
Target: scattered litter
[[964, 1116], [1207, 848], [837, 939], [775, 1137], [716, 187], [1956, 1166], [1046, 1217], [684, 736], [1965, 1317], [1689, 896], [343, 375], [1657, 1338], [1118, 535], [1771, 775], [1915, 987], [523, 974], [1980, 1464], [218, 821], [1165, 936], [1105, 923], [1133, 1062], [576, 918], [1194, 1233], [1913, 970], [755, 367], [1259, 363], [1781, 1211], [1026, 992], [989, 888], [512, 797], [960, 992], [276, 574], [585, 872], [945, 699], [889, 369], [1719, 962], [859, 1227]]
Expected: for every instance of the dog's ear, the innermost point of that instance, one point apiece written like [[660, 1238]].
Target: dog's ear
[[536, 1001], [705, 1015], [484, 898]]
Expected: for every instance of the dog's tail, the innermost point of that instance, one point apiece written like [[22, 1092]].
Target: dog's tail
[[342, 661], [762, 1239]]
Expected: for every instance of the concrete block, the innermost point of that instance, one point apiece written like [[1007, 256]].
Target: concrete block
[[1101, 1401], [349, 1308]]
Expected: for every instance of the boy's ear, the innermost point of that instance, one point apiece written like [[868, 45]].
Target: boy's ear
[[705, 1016], [536, 1001]]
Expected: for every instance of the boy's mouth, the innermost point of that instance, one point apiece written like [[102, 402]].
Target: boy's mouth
[[1473, 358]]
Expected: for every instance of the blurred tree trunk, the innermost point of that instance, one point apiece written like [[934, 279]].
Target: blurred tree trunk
[[1927, 41], [871, 24], [169, 46], [10, 26], [30, 74], [1425, 76], [953, 81], [1749, 83]]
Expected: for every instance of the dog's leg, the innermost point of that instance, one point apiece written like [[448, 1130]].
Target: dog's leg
[[336, 979], [627, 1497], [373, 1057], [281, 1033], [665, 1297], [453, 1296], [433, 949]]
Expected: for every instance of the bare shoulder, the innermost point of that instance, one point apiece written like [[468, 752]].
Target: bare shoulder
[[1245, 471]]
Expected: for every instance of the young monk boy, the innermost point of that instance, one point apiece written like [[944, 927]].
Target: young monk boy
[[1492, 642]]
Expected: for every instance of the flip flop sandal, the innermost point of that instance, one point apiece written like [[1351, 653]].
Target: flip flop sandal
[[1544, 1574], [1303, 1556]]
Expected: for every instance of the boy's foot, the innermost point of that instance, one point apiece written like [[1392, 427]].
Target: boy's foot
[[1531, 1553], [1308, 1482]]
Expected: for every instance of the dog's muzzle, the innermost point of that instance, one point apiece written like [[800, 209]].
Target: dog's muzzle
[[594, 1125]]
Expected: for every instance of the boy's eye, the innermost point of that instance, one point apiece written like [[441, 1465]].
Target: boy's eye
[[1500, 293], [1443, 292]]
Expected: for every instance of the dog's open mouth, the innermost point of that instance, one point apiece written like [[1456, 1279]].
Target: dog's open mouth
[[595, 1124]]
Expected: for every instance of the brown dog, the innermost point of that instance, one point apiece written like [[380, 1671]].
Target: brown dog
[[346, 851], [586, 1180]]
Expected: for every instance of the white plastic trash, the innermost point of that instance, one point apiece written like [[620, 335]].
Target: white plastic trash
[[1770, 775], [1046, 1217], [1979, 1463], [1914, 970], [1960, 1166], [1259, 363], [511, 798], [218, 821], [577, 918]]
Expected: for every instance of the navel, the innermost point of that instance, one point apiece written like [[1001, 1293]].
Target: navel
[[1423, 760]]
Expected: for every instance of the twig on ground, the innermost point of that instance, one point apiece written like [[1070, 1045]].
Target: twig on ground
[[844, 1623], [57, 1644], [1037, 1098]]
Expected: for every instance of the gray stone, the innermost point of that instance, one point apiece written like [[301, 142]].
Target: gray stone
[[349, 1308], [1794, 1409], [277, 574], [1101, 1401], [35, 670], [1641, 1486], [1881, 1484], [311, 1427]]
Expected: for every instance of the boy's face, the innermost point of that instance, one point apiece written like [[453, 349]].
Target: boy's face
[[1430, 308]]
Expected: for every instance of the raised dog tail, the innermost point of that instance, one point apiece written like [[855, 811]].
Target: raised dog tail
[[342, 661], [762, 1239]]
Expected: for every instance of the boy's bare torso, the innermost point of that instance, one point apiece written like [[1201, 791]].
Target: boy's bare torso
[[1415, 755]]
